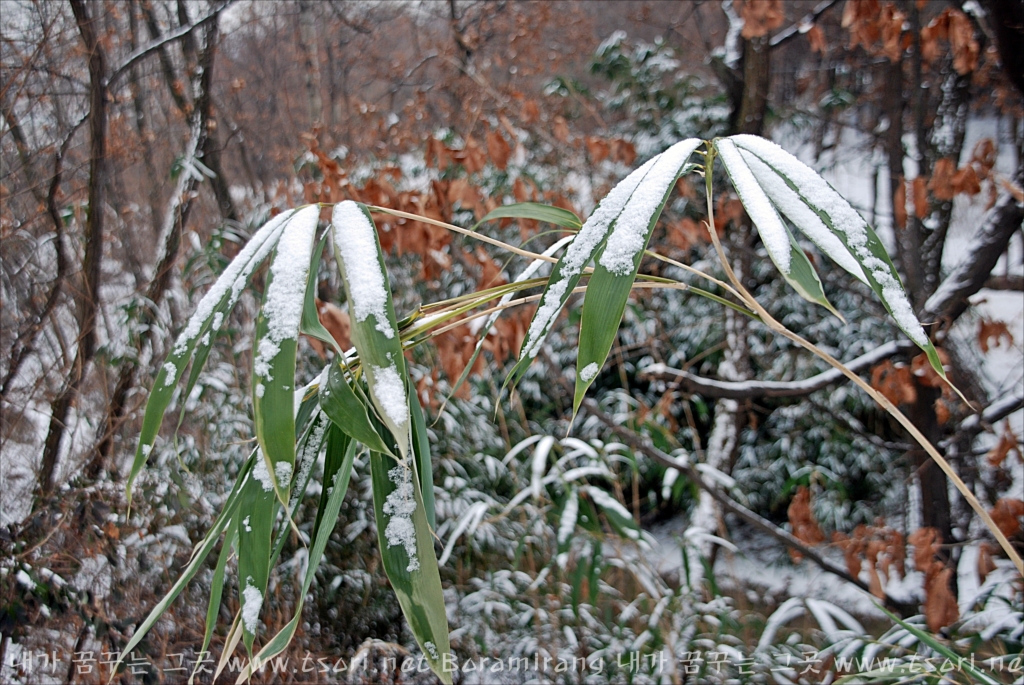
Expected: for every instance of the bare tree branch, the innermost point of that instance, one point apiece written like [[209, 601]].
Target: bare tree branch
[[796, 29], [753, 389]]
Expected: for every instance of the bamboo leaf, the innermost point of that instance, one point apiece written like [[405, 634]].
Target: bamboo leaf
[[421, 450], [255, 527], [216, 591], [569, 269], [311, 325], [337, 471], [618, 262], [853, 231], [407, 548], [198, 557], [782, 247], [209, 314], [618, 516], [277, 334], [374, 326], [347, 410], [533, 210]]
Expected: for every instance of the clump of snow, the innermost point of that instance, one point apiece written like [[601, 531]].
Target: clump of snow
[[589, 372], [400, 506], [431, 650], [758, 206], [790, 204], [245, 524], [260, 390], [251, 605], [286, 293], [629, 236], [845, 219], [172, 373], [389, 391], [262, 474], [579, 254], [283, 471], [357, 244]]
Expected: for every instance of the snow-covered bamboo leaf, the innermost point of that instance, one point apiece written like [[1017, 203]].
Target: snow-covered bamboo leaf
[[782, 247], [533, 210], [421, 450], [618, 516], [229, 510], [407, 548], [347, 410], [567, 522], [209, 315], [277, 335], [853, 231], [569, 269], [374, 327], [539, 464], [337, 472], [618, 261]]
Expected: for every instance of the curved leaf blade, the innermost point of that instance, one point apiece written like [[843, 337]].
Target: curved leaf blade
[[855, 233], [374, 325], [277, 336], [782, 248], [618, 262], [533, 210], [347, 410]]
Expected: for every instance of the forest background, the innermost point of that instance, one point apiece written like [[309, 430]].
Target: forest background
[[188, 123]]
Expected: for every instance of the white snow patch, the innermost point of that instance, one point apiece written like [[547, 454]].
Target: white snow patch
[[260, 390], [172, 373], [283, 471], [245, 524], [579, 254], [758, 206], [630, 232], [286, 293], [251, 605], [400, 506], [589, 372], [260, 473], [363, 274], [389, 391], [790, 204], [431, 650], [845, 220], [567, 525]]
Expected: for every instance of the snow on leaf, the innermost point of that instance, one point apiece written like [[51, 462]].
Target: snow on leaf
[[389, 391], [567, 525], [539, 464], [757, 204], [251, 605], [400, 506], [629, 235], [358, 249]]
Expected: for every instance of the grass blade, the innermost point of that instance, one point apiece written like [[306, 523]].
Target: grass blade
[[618, 262], [407, 548], [533, 210]]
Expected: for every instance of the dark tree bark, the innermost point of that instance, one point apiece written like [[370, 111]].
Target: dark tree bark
[[93, 256]]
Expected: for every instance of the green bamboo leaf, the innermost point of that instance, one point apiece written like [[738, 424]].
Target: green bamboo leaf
[[618, 516], [277, 335], [533, 210], [567, 272], [255, 527], [374, 326], [421, 450], [347, 410], [216, 590], [853, 231], [199, 555], [618, 261], [311, 325], [407, 548], [210, 313], [337, 472], [782, 248]]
